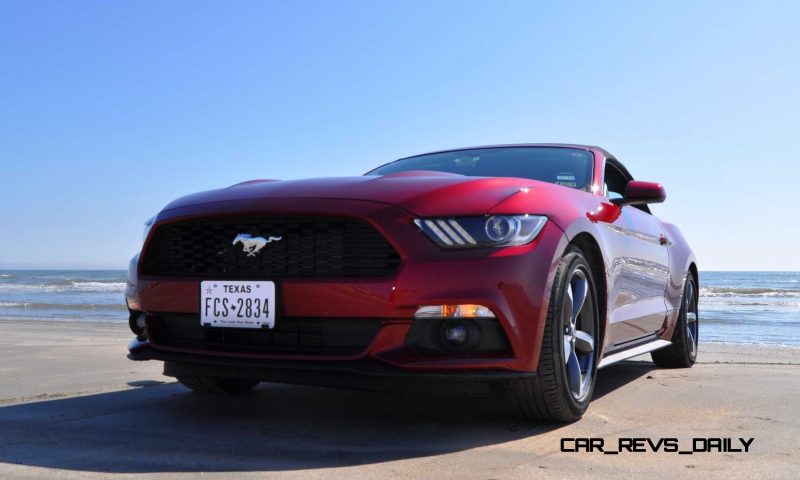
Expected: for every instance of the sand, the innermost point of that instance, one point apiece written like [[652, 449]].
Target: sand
[[72, 406]]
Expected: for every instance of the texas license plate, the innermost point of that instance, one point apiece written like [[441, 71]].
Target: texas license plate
[[237, 304]]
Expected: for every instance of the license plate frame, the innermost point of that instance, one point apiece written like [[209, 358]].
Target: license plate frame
[[241, 304]]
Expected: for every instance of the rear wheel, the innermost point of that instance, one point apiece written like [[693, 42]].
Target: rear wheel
[[565, 380], [683, 351], [217, 385]]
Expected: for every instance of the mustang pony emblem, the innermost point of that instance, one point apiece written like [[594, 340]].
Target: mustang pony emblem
[[253, 245]]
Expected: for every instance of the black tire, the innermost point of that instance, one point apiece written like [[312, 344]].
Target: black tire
[[683, 351], [550, 396], [217, 385]]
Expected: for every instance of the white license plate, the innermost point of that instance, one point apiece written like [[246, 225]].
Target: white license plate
[[232, 304]]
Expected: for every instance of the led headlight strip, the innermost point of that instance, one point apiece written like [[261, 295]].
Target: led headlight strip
[[448, 232], [474, 232]]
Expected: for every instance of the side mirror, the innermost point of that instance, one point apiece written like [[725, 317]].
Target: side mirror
[[640, 193]]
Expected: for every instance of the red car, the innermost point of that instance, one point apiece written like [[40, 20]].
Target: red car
[[516, 268]]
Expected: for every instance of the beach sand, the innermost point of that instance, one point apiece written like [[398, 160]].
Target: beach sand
[[72, 406]]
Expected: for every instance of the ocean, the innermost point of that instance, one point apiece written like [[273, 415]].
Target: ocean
[[735, 307], [68, 295], [750, 307]]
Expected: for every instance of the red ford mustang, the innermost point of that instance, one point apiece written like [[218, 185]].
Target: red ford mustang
[[519, 268]]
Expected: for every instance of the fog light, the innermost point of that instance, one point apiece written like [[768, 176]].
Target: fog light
[[454, 311], [457, 334]]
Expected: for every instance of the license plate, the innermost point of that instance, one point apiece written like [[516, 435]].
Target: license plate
[[237, 304]]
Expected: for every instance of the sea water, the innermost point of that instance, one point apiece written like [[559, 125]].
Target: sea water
[[750, 307], [67, 295]]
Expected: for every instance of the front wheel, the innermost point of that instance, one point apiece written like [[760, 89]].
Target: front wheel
[[217, 385], [683, 351], [565, 380]]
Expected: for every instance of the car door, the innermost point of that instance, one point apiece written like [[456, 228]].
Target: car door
[[639, 268]]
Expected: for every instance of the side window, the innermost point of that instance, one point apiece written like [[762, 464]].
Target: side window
[[615, 183], [611, 193]]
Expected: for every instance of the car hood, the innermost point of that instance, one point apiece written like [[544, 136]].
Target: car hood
[[419, 193]]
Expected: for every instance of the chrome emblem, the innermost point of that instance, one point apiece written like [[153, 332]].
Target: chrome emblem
[[253, 245]]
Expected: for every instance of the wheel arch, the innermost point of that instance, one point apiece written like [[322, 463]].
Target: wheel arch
[[682, 263], [695, 274], [591, 249]]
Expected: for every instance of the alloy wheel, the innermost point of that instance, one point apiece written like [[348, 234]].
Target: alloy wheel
[[579, 333], [692, 324]]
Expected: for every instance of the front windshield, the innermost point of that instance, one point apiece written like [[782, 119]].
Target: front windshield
[[570, 167]]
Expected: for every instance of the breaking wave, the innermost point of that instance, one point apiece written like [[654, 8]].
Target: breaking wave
[[747, 292], [67, 286], [63, 306]]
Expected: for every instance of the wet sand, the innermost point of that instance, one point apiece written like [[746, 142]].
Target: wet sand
[[72, 406]]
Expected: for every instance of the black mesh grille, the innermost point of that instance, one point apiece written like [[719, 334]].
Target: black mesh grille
[[309, 247], [291, 335]]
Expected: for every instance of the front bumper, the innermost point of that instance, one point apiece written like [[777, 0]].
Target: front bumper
[[362, 374], [513, 282]]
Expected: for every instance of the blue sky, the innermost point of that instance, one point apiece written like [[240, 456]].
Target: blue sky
[[111, 109]]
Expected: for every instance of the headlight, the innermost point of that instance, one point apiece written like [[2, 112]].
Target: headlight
[[148, 225], [475, 232]]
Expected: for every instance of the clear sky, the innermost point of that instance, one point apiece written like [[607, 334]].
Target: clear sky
[[108, 110]]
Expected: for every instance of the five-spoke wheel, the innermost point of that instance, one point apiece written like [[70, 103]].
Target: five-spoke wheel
[[565, 377], [579, 322]]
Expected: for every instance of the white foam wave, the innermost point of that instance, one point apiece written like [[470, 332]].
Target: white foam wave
[[13, 304], [747, 292], [72, 286], [98, 286], [63, 306]]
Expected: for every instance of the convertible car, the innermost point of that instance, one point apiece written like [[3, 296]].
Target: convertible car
[[520, 269]]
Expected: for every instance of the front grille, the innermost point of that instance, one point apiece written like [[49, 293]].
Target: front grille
[[309, 247], [291, 335]]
